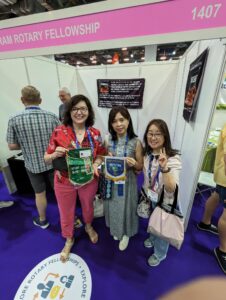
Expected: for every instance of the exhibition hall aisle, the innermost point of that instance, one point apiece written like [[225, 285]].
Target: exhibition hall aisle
[[115, 274]]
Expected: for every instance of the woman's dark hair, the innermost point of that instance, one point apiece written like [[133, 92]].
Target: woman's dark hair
[[163, 128], [124, 112], [68, 108]]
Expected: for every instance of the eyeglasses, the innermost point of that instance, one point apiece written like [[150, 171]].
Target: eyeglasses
[[81, 109], [154, 135]]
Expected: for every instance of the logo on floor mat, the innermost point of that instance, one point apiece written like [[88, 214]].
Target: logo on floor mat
[[52, 279]]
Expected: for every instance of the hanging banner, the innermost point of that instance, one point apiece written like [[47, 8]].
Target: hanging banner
[[120, 92], [115, 168], [193, 87], [161, 18]]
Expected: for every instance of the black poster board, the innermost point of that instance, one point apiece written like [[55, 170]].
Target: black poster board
[[120, 92]]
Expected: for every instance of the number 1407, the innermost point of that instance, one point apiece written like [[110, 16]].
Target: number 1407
[[206, 12]]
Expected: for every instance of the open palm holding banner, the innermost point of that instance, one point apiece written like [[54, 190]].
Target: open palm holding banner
[[115, 168]]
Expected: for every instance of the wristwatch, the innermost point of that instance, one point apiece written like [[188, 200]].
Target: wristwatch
[[165, 171]]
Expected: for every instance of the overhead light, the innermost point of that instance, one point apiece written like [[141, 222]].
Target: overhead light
[[94, 61], [109, 60], [126, 59], [174, 52], [131, 55], [123, 49], [93, 57], [163, 57], [115, 58], [142, 58]]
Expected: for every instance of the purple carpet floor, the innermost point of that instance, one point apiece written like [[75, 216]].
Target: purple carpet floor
[[115, 275]]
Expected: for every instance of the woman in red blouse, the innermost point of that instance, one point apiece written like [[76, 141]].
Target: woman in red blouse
[[76, 132]]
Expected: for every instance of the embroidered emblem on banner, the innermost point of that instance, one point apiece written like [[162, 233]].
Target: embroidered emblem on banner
[[52, 279], [115, 168]]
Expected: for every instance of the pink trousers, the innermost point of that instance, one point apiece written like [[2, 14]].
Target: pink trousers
[[66, 195]]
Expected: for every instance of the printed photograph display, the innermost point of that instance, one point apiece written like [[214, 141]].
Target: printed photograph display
[[193, 86]]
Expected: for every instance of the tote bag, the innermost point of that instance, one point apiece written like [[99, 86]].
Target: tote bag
[[167, 222]]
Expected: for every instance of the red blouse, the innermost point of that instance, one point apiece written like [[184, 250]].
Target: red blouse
[[64, 136]]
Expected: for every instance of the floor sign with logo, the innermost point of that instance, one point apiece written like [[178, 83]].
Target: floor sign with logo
[[52, 279]]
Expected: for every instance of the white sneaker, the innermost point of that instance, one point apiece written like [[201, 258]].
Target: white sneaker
[[6, 204], [124, 243]]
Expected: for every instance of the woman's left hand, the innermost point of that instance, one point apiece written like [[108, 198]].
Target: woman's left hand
[[131, 161], [162, 158]]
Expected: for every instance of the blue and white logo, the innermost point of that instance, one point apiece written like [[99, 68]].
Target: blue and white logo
[[52, 279]]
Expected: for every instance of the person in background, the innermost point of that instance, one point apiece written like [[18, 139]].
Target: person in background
[[65, 96], [217, 197], [162, 166], [120, 210], [76, 132], [30, 131]]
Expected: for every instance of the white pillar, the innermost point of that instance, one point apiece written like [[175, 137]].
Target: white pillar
[[150, 53]]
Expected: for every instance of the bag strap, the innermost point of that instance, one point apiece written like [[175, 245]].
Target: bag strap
[[142, 191], [174, 206]]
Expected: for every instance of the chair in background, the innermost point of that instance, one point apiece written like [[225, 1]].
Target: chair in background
[[205, 183]]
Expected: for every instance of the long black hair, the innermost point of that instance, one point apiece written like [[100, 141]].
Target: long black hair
[[125, 113], [69, 105], [163, 128]]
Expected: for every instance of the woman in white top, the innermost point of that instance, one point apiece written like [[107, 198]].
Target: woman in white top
[[162, 166]]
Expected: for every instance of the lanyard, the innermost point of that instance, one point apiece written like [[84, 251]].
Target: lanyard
[[156, 176], [32, 107], [125, 147], [89, 138]]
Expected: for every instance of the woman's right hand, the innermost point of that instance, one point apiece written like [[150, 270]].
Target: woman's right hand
[[60, 151]]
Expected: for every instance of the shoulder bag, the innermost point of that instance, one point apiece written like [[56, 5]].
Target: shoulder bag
[[167, 222]]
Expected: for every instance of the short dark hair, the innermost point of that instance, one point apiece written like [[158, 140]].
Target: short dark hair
[[162, 126], [68, 108], [30, 94], [125, 113]]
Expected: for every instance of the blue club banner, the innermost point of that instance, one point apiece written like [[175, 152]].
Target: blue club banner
[[115, 168]]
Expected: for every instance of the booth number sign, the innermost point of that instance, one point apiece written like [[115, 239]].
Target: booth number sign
[[206, 12]]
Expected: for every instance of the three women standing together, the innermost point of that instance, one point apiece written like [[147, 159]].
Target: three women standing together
[[161, 167]]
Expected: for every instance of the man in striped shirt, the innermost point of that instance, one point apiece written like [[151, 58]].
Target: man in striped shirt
[[30, 131]]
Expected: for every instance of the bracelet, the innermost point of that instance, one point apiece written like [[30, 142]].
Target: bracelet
[[165, 171]]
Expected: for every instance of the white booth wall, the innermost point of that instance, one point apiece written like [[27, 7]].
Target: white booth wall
[[165, 84], [191, 137], [48, 76], [45, 74]]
